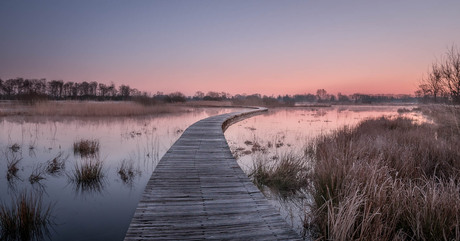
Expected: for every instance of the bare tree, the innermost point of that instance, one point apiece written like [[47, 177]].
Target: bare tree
[[433, 85], [451, 73], [322, 95]]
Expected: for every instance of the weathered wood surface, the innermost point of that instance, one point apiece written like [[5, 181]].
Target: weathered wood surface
[[198, 192]]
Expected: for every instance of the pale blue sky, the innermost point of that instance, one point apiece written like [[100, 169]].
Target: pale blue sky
[[270, 47]]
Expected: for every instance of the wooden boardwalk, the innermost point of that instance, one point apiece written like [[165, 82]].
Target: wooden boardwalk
[[198, 192]]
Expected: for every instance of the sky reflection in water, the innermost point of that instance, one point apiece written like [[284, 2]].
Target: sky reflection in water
[[285, 130], [102, 210]]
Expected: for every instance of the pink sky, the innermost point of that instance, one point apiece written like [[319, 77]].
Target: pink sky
[[267, 47]]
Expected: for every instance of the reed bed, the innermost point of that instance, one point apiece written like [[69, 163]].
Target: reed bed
[[92, 109], [26, 219], [386, 179]]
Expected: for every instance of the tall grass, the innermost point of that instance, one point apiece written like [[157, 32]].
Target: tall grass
[[26, 219], [86, 147], [93, 109], [88, 175], [286, 174], [386, 179]]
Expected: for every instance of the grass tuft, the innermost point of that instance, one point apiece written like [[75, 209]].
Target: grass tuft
[[26, 219], [36, 176], [88, 175], [127, 172], [12, 168], [15, 147], [86, 147], [56, 165], [286, 174]]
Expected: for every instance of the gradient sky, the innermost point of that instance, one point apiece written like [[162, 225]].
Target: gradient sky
[[267, 47]]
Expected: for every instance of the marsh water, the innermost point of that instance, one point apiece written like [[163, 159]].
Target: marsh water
[[283, 131], [104, 211]]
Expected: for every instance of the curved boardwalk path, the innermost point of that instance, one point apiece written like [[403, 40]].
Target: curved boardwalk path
[[198, 192]]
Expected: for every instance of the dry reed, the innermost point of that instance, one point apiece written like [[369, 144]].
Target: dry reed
[[88, 175], [93, 109], [386, 179], [286, 174], [26, 219], [86, 148]]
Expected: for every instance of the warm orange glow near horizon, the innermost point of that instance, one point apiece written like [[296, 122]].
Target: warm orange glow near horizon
[[265, 47]]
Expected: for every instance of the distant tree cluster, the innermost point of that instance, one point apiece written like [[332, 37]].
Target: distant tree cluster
[[23, 89], [33, 90], [443, 81]]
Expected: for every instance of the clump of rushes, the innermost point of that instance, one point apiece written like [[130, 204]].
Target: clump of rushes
[[36, 176], [126, 171], [56, 165], [26, 219], [86, 147], [15, 147], [386, 179], [88, 175], [286, 174], [12, 166]]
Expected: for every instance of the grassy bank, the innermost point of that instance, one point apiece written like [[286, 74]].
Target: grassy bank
[[88, 109], [387, 179]]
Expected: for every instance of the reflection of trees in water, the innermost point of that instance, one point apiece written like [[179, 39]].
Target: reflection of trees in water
[[319, 113]]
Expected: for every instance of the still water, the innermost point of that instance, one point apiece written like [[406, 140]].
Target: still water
[[288, 130], [101, 213]]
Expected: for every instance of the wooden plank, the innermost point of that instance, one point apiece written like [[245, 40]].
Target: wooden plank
[[197, 191]]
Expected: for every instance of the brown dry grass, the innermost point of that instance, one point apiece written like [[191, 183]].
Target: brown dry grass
[[86, 148], [89, 109], [386, 179], [26, 219], [286, 174]]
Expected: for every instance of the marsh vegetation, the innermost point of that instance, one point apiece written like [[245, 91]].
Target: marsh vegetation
[[385, 179], [94, 192], [88, 175], [26, 218], [86, 148], [386, 176]]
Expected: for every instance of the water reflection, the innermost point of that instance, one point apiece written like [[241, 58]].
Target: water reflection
[[289, 130], [104, 207], [127, 172], [88, 176]]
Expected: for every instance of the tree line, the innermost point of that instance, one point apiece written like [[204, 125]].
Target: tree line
[[24, 89], [442, 83], [33, 90]]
